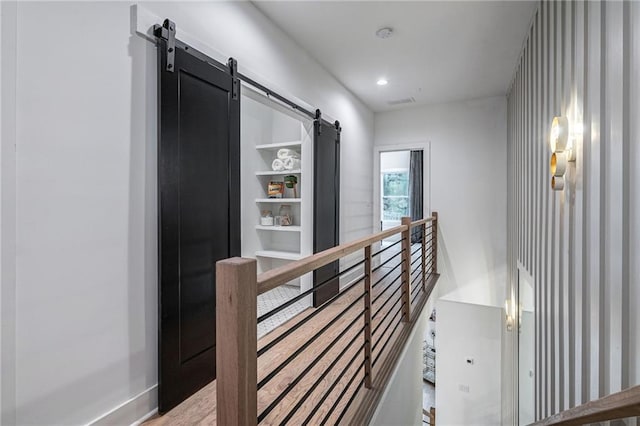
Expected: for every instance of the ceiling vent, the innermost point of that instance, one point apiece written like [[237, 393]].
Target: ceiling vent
[[409, 100]]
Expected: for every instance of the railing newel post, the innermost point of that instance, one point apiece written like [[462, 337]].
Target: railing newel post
[[236, 342], [367, 317], [406, 275]]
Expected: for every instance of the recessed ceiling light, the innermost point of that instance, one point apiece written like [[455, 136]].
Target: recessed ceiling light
[[382, 82], [385, 32]]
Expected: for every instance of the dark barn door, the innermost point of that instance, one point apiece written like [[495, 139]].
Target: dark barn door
[[326, 206], [199, 213]]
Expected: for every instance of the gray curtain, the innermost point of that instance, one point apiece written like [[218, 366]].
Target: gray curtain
[[415, 192]]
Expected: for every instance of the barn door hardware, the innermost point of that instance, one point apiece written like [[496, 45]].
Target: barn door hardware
[[319, 120], [233, 70], [167, 31]]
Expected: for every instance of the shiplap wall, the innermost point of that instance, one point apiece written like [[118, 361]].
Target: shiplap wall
[[581, 245]]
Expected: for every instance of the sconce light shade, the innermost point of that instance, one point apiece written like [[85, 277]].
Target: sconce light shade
[[557, 183], [559, 134], [558, 163], [509, 312]]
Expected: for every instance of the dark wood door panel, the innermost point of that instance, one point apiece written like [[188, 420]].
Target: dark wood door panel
[[198, 159], [326, 206]]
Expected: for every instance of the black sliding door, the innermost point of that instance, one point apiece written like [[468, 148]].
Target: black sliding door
[[326, 205], [199, 212]]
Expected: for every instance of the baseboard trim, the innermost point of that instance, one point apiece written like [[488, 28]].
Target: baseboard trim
[[132, 412]]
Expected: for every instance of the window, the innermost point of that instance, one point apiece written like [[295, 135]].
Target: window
[[395, 195]]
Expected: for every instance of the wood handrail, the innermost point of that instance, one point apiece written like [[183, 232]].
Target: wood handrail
[[618, 405], [422, 221], [283, 274]]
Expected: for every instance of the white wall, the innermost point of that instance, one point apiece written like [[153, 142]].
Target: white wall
[[401, 401], [468, 190], [581, 245], [7, 210], [395, 160], [468, 394], [85, 308]]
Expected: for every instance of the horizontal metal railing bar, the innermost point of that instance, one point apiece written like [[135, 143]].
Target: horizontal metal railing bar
[[309, 367], [387, 261], [382, 321], [389, 299], [283, 274], [416, 250], [414, 261], [415, 278], [387, 248], [307, 343], [418, 276], [428, 264], [299, 324], [387, 287], [415, 294], [386, 275], [386, 343], [367, 402], [339, 398], [350, 401], [323, 375], [306, 293], [333, 385]]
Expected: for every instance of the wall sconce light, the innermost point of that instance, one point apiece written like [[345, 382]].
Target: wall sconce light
[[559, 134], [558, 163], [520, 318], [509, 314], [562, 148], [557, 183]]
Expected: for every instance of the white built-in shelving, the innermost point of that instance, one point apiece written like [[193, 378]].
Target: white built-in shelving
[[292, 228], [267, 127], [278, 200], [279, 254], [278, 173], [278, 145]]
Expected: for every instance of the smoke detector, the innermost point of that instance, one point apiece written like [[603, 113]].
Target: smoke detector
[[385, 32]]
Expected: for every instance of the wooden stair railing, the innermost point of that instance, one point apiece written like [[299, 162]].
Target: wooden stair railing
[[431, 415], [382, 335], [619, 405]]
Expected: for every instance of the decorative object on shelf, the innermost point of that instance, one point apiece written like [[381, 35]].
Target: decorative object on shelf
[[285, 153], [287, 159], [275, 189], [291, 163], [285, 215], [277, 165], [266, 219], [291, 182]]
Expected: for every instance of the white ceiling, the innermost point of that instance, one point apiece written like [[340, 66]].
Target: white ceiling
[[440, 51]]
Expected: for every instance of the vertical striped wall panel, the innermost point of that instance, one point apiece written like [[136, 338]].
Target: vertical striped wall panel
[[581, 245]]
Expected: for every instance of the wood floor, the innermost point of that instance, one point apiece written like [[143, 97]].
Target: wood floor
[[301, 379]]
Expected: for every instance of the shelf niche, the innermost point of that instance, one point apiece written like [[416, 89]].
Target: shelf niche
[[267, 127]]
